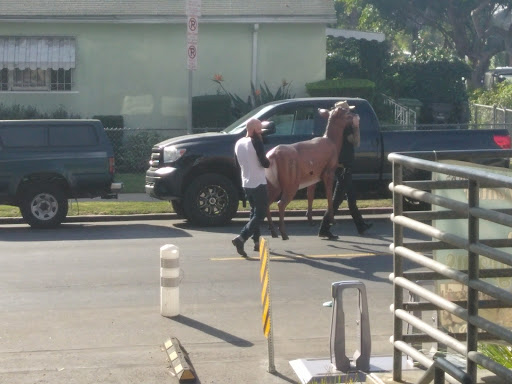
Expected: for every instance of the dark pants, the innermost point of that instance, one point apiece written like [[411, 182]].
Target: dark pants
[[258, 200], [344, 187]]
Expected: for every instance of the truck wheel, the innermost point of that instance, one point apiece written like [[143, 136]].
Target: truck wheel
[[177, 207], [210, 200], [44, 206]]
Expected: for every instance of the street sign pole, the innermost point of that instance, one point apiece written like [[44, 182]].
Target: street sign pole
[[193, 11]]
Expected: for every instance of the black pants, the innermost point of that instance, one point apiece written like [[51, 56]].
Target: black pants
[[344, 187], [258, 200]]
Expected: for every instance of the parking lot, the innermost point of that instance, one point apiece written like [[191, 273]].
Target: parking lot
[[81, 303]]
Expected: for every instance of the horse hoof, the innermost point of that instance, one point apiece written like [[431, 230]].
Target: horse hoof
[[275, 235], [285, 237]]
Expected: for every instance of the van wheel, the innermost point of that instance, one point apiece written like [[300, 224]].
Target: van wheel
[[177, 207], [210, 200], [44, 206]]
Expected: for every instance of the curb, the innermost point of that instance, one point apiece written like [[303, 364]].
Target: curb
[[173, 216]]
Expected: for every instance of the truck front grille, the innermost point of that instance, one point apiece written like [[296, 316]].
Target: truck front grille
[[154, 162]]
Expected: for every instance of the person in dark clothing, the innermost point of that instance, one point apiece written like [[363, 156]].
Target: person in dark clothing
[[344, 185], [250, 156]]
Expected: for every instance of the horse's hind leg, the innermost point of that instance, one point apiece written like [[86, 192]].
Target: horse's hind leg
[[286, 197], [311, 195]]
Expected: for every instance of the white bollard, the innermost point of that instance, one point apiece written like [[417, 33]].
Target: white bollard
[[169, 280]]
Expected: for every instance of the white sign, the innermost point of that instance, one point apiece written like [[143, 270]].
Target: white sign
[[193, 7], [192, 55], [192, 26]]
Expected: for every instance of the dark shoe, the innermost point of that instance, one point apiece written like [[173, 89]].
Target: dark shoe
[[256, 247], [239, 244], [327, 233], [363, 228]]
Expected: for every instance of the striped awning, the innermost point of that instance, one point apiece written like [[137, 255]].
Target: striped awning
[[37, 52]]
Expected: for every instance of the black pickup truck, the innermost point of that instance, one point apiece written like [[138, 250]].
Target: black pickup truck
[[43, 163], [198, 173]]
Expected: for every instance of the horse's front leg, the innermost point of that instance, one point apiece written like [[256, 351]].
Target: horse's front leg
[[282, 206], [271, 226], [311, 195]]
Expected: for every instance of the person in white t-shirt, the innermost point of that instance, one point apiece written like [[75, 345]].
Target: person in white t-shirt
[[250, 156]]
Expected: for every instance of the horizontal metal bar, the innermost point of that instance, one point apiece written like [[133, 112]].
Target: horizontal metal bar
[[483, 274], [492, 253], [436, 334], [492, 216], [424, 338], [501, 332], [452, 170], [426, 306], [454, 155], [491, 365], [442, 269], [427, 197], [437, 184], [434, 215], [452, 370], [419, 357], [430, 231]]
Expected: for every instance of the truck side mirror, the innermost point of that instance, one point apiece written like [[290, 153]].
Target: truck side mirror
[[269, 129]]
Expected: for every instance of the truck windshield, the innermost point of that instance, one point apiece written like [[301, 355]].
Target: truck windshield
[[239, 125]]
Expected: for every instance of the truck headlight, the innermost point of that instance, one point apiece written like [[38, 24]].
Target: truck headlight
[[171, 153]]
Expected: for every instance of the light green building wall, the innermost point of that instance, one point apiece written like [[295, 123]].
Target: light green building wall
[[139, 70]]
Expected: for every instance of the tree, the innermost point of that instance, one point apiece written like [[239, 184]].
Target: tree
[[476, 30]]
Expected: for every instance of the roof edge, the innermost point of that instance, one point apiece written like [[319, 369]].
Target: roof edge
[[178, 19]]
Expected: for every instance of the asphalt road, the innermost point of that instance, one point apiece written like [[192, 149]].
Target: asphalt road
[[81, 304]]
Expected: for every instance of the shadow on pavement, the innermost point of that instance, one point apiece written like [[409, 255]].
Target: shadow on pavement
[[91, 231], [227, 337]]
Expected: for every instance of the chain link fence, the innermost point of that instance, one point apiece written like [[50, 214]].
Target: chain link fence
[[491, 116]]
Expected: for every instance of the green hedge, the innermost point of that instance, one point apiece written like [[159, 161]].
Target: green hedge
[[211, 111], [342, 88]]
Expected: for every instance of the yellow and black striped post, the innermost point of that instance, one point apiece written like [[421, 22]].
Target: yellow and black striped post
[[266, 318]]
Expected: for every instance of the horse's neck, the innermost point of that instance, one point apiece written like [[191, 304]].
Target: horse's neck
[[335, 134]]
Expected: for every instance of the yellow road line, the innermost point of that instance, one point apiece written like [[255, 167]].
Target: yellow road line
[[331, 256]]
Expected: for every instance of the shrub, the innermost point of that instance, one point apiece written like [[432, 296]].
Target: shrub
[[258, 97], [20, 112], [136, 151], [342, 88]]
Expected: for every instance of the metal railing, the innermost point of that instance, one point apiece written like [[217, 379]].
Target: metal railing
[[476, 249], [403, 115]]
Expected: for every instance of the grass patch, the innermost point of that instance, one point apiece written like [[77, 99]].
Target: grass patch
[[132, 182], [110, 207], [502, 354]]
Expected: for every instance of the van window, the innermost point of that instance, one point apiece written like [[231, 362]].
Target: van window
[[17, 136], [82, 135]]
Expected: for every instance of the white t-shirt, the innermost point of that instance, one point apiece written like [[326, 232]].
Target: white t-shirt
[[253, 173]]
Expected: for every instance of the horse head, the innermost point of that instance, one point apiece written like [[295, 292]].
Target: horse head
[[339, 117]]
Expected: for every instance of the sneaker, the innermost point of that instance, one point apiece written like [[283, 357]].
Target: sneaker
[[327, 233], [363, 228], [239, 244], [256, 247]]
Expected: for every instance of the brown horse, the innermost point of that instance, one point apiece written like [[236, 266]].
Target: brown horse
[[303, 164]]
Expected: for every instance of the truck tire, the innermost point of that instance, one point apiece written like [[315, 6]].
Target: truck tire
[[177, 207], [44, 206], [210, 200]]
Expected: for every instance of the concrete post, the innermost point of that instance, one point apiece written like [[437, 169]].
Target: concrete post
[[169, 280]]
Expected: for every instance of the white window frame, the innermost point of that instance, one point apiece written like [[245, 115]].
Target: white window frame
[[44, 53]]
